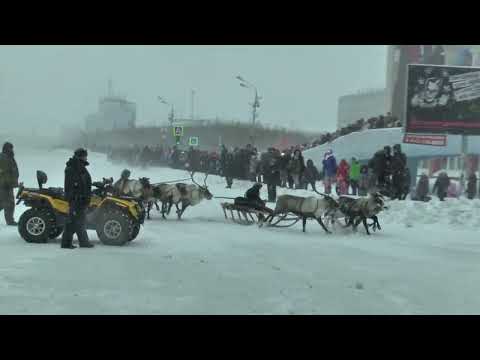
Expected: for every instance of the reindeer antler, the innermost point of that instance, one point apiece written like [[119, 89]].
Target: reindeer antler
[[205, 180], [193, 180]]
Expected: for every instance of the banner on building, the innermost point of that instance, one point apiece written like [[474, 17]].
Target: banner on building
[[422, 139], [443, 99]]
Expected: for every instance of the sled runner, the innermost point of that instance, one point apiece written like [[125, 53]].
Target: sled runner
[[246, 215]]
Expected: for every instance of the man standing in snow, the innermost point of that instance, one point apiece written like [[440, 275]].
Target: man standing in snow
[[296, 166], [8, 181], [472, 186], [271, 172], [441, 185], [380, 164], [228, 168], [399, 165], [311, 175], [78, 190]]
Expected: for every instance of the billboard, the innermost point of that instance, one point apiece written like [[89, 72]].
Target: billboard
[[443, 99], [399, 57], [432, 140]]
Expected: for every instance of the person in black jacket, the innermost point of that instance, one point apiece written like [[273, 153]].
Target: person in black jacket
[[441, 185], [311, 175], [253, 196], [223, 157], [381, 166], [78, 184], [398, 169], [229, 169], [271, 172], [252, 199], [8, 181], [472, 186]]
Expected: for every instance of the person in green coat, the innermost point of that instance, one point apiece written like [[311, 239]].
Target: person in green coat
[[354, 175], [8, 181]]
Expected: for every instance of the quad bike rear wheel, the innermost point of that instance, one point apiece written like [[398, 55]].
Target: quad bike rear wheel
[[115, 228], [37, 225]]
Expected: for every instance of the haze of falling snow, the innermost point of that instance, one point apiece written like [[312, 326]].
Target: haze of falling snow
[[43, 87]]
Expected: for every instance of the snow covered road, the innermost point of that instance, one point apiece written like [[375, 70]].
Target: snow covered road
[[424, 261]]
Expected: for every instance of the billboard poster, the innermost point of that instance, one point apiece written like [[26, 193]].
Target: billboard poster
[[404, 55], [443, 100], [421, 139]]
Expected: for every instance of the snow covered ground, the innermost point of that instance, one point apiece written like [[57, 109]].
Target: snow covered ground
[[424, 261]]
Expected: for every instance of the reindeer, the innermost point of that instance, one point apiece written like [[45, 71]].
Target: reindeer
[[190, 195], [310, 207], [359, 210], [140, 189], [167, 194]]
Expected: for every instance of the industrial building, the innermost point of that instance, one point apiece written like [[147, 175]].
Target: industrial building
[[114, 112]]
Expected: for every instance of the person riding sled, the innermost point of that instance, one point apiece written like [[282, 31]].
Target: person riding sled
[[252, 199], [120, 185]]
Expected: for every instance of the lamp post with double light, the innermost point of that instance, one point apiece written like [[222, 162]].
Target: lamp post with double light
[[171, 116], [255, 104]]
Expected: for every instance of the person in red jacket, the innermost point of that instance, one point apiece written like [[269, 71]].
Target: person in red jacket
[[342, 177]]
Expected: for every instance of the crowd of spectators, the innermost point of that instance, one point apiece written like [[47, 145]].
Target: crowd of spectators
[[287, 168], [380, 122]]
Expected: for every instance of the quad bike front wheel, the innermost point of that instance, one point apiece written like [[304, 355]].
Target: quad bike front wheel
[[135, 232], [115, 228], [37, 225]]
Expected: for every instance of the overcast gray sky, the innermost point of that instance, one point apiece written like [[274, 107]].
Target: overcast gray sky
[[46, 86]]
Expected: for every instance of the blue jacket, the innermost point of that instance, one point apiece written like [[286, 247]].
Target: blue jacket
[[330, 166]]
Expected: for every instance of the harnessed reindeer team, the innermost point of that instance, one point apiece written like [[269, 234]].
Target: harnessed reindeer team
[[288, 211]]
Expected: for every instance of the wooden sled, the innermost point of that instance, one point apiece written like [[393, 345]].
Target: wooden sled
[[248, 216], [245, 214]]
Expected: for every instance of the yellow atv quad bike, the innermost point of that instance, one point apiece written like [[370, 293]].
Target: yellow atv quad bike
[[117, 220]]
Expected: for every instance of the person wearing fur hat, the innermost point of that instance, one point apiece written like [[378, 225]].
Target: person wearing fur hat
[[8, 181], [119, 186], [78, 190]]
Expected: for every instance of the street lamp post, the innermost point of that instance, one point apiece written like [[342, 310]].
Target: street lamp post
[[192, 104], [171, 116], [255, 104]]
